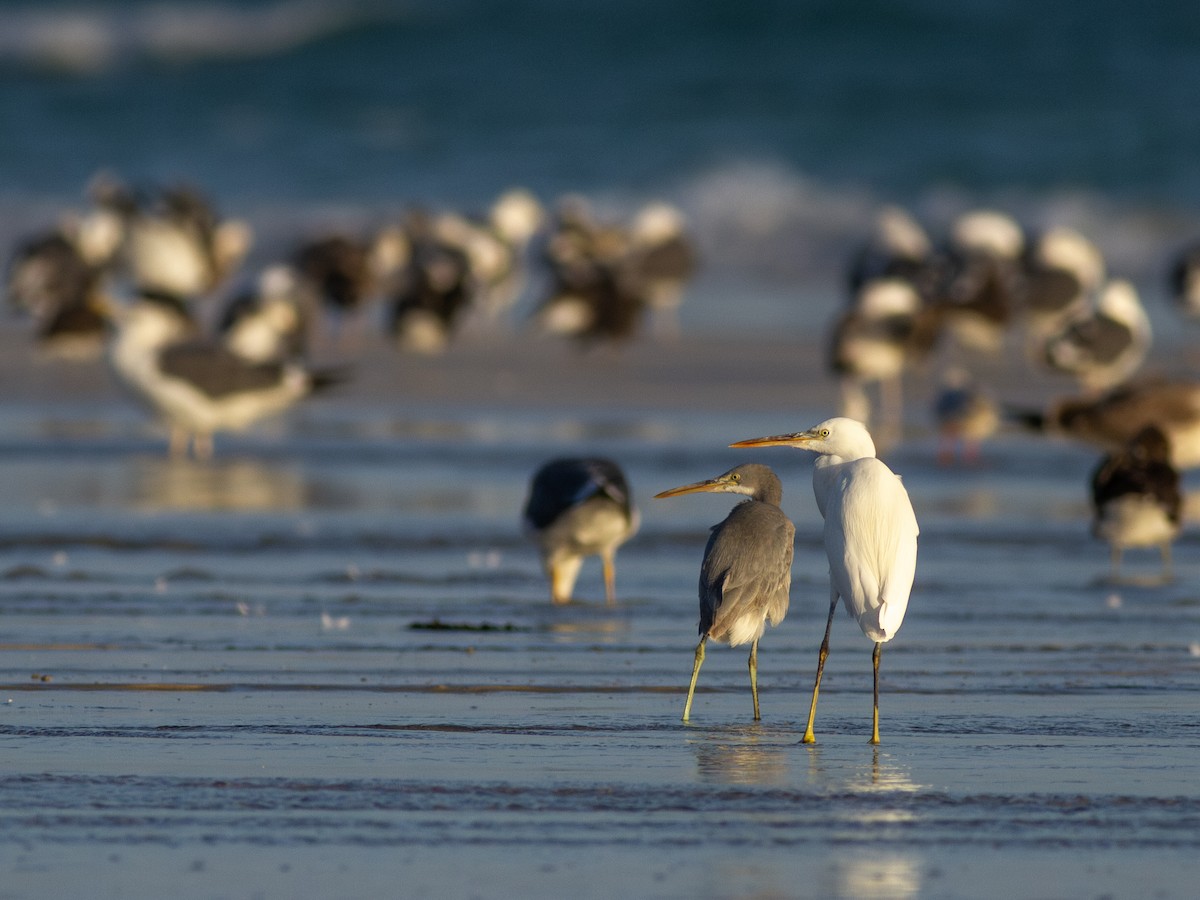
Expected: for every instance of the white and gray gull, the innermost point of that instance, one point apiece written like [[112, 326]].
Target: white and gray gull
[[579, 507]]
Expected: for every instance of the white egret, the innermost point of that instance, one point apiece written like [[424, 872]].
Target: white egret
[[747, 570], [870, 536]]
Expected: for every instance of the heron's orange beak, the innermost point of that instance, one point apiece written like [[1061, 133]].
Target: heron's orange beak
[[798, 439], [712, 485]]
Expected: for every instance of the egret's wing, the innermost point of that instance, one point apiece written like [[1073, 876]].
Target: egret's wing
[[871, 541], [747, 573]]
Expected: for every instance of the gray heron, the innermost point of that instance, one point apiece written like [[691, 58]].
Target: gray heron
[[747, 570]]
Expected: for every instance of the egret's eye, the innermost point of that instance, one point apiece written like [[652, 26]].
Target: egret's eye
[[824, 432]]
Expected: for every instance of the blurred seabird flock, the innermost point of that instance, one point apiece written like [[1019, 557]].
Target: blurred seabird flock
[[213, 338], [157, 280]]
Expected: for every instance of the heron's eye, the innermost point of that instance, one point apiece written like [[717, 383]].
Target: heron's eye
[[736, 478]]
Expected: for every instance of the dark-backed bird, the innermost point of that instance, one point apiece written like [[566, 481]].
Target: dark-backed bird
[[198, 386], [981, 284], [348, 273], [1183, 280], [1063, 269], [579, 507], [431, 295], [747, 570], [660, 260], [1111, 420], [51, 280], [177, 245], [495, 248], [270, 321], [870, 537], [887, 330], [897, 247], [1104, 346], [1136, 498]]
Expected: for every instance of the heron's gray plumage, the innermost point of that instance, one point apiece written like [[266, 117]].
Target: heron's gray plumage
[[747, 573], [747, 570]]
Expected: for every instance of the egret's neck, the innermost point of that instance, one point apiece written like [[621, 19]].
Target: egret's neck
[[827, 471]]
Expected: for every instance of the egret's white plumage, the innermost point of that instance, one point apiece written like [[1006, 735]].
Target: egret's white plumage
[[870, 535]]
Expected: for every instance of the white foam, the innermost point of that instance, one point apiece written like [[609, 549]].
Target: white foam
[[97, 37]]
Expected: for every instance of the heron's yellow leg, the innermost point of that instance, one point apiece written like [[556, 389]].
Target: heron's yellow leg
[[754, 678], [875, 708], [809, 737], [687, 709]]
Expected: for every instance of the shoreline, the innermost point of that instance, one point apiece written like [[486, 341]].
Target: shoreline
[[724, 372]]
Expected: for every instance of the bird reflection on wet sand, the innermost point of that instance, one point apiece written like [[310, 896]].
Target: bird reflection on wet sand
[[744, 755], [231, 484]]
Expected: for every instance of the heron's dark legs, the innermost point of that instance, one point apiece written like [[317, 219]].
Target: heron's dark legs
[[875, 709], [610, 577], [754, 677], [1116, 562], [809, 737], [687, 709]]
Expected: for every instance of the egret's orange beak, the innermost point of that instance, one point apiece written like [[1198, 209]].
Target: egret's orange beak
[[797, 439]]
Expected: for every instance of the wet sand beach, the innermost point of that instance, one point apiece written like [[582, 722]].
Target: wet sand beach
[[325, 664]]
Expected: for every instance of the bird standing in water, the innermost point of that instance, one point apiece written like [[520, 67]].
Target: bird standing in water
[[577, 508], [1136, 498], [870, 536], [747, 568]]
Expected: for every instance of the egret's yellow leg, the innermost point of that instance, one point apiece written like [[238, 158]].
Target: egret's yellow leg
[[875, 709], [754, 677], [809, 737], [610, 578], [687, 708], [1165, 551]]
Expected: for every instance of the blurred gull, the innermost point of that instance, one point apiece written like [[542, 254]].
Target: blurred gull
[[1103, 347], [1111, 420], [579, 507], [1136, 498], [199, 386], [1063, 269]]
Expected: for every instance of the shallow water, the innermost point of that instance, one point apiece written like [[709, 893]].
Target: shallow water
[[324, 664]]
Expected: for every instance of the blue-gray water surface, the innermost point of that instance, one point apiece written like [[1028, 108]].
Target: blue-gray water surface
[[325, 664]]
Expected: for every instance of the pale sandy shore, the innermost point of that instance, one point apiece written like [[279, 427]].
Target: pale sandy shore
[[740, 371]]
